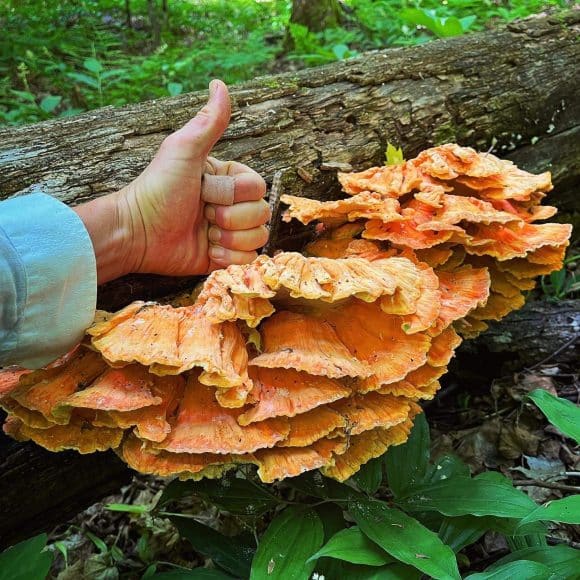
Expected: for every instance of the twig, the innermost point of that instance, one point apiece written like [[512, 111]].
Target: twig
[[555, 353], [536, 483], [274, 203]]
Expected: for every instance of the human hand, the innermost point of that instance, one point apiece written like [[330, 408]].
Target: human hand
[[162, 222]]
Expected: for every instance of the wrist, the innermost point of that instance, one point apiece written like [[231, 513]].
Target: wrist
[[113, 235]]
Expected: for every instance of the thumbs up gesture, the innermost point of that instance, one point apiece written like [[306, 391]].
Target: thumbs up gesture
[[187, 213], [190, 212]]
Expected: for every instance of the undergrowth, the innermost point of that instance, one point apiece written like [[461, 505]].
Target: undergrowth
[[61, 58], [402, 516]]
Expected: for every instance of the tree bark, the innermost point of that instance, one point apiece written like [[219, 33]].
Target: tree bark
[[316, 15], [513, 89]]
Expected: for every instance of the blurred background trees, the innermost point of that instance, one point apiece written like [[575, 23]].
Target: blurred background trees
[[62, 58]]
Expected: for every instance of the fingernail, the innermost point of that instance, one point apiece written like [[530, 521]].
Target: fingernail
[[210, 213], [214, 234], [217, 252], [213, 86]]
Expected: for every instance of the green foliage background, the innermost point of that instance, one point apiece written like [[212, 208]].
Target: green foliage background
[[61, 58]]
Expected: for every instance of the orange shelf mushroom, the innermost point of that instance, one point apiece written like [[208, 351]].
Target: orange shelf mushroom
[[294, 363]]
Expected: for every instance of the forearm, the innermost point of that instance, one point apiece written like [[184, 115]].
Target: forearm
[[111, 235]]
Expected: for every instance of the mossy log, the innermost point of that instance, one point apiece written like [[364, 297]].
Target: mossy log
[[512, 91]]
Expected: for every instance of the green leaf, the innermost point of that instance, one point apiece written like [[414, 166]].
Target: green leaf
[[50, 103], [565, 511], [83, 78], [467, 21], [447, 467], [62, 548], [449, 27], [174, 89], [26, 560], [462, 496], [175, 490], [370, 476], [563, 561], [100, 544], [233, 554], [351, 545], [236, 495], [462, 531], [285, 547], [404, 538], [316, 485], [195, 574], [128, 508], [407, 464], [563, 414], [518, 569], [93, 65], [394, 155], [25, 95]]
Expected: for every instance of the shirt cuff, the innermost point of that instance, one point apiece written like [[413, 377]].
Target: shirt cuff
[[54, 264]]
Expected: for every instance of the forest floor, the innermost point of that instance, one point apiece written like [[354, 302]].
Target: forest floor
[[487, 423]]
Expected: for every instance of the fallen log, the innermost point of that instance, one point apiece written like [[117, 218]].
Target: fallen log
[[509, 90]]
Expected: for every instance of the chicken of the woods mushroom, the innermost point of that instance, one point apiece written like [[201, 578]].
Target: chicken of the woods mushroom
[[300, 362]]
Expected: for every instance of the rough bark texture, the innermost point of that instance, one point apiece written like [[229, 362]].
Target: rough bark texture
[[316, 15], [40, 489], [540, 332], [512, 89]]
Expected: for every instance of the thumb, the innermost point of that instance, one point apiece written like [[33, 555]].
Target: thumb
[[199, 135]]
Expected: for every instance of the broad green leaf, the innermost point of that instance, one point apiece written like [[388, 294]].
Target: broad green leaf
[[26, 95], [340, 51], [26, 560], [285, 547], [404, 538], [566, 511], [128, 508], [394, 155], [351, 545], [449, 27], [93, 65], [563, 561], [50, 103], [563, 414], [83, 78], [407, 464], [174, 89], [315, 484], [348, 571], [446, 467], [233, 554], [195, 574], [175, 490], [467, 21], [462, 496], [462, 531], [236, 495], [370, 476], [518, 569], [332, 517]]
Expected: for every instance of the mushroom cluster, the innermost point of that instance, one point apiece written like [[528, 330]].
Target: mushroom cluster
[[294, 362]]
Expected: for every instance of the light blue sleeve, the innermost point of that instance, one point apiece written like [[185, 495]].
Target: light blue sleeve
[[48, 280]]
